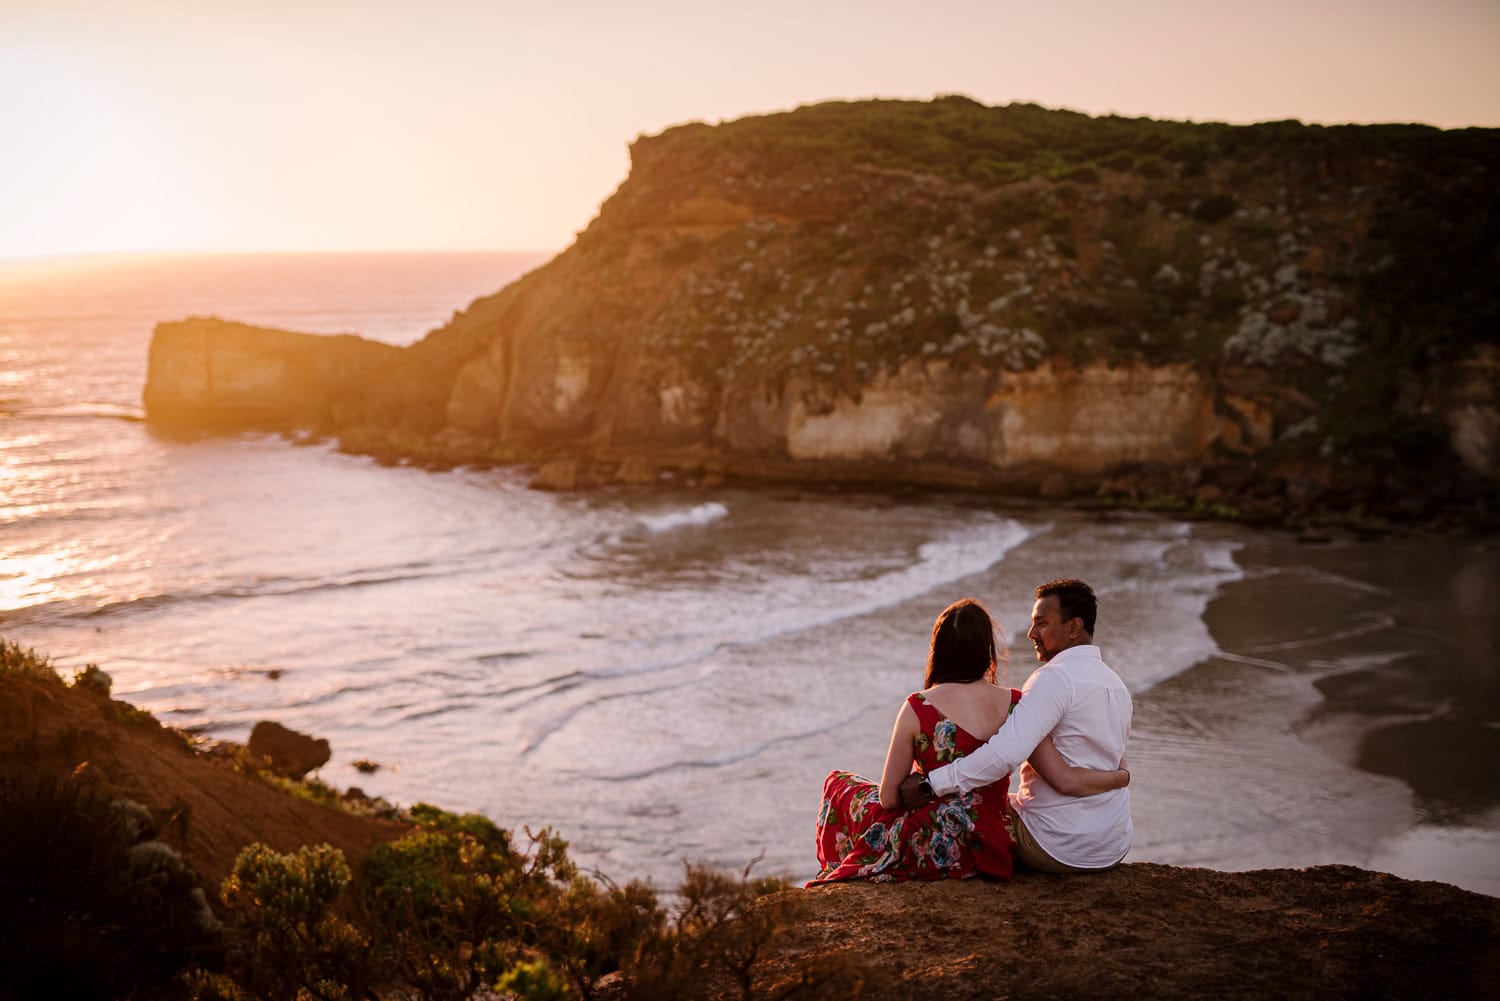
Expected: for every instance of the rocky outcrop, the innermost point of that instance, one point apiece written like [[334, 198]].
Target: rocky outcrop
[[1152, 931], [1002, 298], [211, 373], [285, 751]]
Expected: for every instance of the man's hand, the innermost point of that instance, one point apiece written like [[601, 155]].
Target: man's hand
[[913, 793]]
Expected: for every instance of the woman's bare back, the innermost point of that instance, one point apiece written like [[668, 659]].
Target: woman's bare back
[[977, 706]]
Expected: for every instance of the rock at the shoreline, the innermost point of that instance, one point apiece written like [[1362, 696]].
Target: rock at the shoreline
[[559, 475], [287, 752]]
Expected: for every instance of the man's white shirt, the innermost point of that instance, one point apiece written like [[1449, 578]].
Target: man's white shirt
[[1084, 705]]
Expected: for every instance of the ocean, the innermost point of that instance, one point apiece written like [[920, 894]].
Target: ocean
[[666, 674]]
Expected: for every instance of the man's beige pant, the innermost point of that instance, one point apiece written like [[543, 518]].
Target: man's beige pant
[[1031, 855]]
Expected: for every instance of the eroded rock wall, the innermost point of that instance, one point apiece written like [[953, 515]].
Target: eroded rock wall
[[208, 372]]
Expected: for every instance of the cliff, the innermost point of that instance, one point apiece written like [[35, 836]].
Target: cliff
[[1271, 320], [1143, 930], [207, 806]]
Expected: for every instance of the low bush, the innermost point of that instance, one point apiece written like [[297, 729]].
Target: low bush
[[16, 659], [452, 904], [95, 906], [286, 941]]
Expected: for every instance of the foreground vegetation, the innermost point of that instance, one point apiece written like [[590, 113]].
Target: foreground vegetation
[[96, 903]]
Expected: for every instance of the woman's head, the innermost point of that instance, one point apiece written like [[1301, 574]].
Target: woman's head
[[963, 645]]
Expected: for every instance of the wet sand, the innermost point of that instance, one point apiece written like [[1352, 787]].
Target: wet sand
[[1354, 710]]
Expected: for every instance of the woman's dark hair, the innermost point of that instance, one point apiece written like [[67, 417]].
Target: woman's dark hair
[[963, 645]]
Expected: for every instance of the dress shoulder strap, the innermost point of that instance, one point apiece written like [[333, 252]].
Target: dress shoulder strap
[[926, 711]]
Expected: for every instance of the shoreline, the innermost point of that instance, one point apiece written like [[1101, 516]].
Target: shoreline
[[1317, 504], [1281, 498], [1410, 708]]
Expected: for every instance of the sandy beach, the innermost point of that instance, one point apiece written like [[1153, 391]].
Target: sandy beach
[[1359, 680]]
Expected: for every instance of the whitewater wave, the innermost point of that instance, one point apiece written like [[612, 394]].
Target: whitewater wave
[[87, 608], [700, 514], [1157, 584], [787, 608]]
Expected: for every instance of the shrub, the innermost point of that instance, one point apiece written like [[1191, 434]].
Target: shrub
[[533, 981], [16, 659], [92, 679], [724, 927], [287, 943], [591, 931], [95, 907], [454, 906], [724, 931]]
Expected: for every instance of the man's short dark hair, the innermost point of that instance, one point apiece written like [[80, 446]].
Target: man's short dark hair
[[1075, 600]]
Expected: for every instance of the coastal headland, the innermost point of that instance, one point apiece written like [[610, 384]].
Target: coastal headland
[[1278, 323]]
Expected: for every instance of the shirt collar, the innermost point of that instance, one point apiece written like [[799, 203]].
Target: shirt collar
[[1075, 652]]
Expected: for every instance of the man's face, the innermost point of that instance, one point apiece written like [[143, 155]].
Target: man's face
[[1048, 633]]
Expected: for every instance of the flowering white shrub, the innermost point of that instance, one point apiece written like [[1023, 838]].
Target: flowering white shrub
[[1308, 334]]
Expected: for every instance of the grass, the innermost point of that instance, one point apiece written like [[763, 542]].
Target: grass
[[26, 662]]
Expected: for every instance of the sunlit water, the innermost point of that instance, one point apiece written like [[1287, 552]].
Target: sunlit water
[[660, 674]]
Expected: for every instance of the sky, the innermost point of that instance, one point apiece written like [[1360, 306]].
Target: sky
[[299, 125]]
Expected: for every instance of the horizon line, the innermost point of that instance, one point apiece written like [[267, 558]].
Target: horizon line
[[82, 256]]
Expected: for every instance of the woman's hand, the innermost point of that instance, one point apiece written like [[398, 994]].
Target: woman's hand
[[1072, 781]]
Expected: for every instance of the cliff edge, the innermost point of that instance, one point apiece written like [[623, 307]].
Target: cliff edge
[[1268, 321], [1142, 930]]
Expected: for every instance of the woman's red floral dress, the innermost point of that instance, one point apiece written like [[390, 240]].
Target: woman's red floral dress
[[950, 838]]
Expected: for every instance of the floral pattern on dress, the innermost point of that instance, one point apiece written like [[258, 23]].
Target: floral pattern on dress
[[955, 837]]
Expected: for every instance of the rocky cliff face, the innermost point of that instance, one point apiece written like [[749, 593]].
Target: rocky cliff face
[[1271, 318], [211, 373]]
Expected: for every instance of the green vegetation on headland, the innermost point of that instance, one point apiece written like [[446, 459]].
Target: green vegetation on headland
[[1304, 316]]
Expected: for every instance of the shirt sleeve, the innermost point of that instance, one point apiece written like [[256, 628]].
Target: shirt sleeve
[[1034, 717]]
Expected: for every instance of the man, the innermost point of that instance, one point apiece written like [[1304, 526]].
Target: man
[[1076, 698]]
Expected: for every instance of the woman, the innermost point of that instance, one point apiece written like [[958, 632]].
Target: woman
[[862, 830]]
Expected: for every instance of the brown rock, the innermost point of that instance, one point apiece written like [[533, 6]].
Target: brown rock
[[637, 471], [1056, 487], [287, 752], [559, 475]]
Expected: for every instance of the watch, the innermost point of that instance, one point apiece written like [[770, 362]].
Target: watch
[[926, 788]]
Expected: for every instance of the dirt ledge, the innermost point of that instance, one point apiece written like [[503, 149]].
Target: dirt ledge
[[1156, 931]]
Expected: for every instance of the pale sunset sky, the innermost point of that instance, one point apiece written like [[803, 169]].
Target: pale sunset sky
[[218, 125]]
